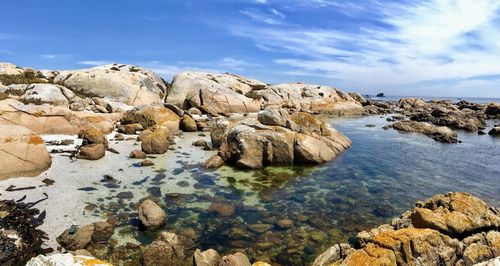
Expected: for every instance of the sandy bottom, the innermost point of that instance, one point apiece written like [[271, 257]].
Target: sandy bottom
[[77, 181]]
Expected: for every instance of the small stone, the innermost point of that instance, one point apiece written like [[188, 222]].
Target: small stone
[[284, 224], [147, 163], [137, 154]]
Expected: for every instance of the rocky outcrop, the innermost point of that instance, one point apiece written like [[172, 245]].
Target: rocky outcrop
[[39, 94], [150, 116], [65, 259], [441, 134], [128, 84], [22, 153], [302, 139], [411, 103], [46, 119], [151, 215], [76, 238], [213, 93], [168, 249], [450, 229], [308, 98]]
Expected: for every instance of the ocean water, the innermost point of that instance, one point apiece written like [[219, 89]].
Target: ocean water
[[429, 98], [378, 178]]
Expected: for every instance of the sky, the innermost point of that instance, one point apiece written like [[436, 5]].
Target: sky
[[407, 47]]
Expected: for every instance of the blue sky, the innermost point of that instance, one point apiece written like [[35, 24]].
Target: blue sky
[[427, 48]]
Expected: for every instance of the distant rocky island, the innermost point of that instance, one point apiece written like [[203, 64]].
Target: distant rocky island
[[90, 113]]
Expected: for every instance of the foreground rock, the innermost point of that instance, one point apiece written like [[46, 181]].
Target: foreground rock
[[450, 229], [94, 144], [441, 134], [128, 84], [299, 139], [495, 131], [22, 153], [151, 215], [168, 249], [84, 237], [66, 259]]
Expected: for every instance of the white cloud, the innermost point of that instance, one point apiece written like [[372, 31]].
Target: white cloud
[[48, 56], [261, 1], [271, 16], [95, 62], [422, 41]]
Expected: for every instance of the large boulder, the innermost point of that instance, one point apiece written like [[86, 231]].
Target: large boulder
[[149, 116], [168, 249], [208, 257], [22, 153], [151, 215], [408, 103], [128, 84], [39, 93], [304, 139], [441, 134], [46, 119], [213, 93], [156, 142]]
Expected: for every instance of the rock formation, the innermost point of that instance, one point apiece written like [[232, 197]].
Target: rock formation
[[441, 134]]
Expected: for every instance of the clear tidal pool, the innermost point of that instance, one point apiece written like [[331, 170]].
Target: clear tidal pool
[[378, 178]]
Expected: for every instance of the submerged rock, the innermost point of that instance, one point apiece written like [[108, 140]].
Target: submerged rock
[[213, 162], [441, 134], [80, 238], [208, 257], [151, 215], [236, 259], [168, 249]]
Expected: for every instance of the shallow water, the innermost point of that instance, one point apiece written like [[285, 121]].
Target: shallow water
[[378, 178]]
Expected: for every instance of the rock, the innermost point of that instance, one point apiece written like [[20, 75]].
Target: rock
[[273, 117], [168, 250], [86, 235], [261, 263], [213, 93], [441, 134], [214, 162], [201, 143], [492, 262], [188, 124], [66, 259], [93, 136], [46, 119], [157, 142], [130, 129], [284, 224], [208, 257], [236, 259], [260, 228], [334, 254], [409, 103], [40, 93], [250, 144], [358, 98], [222, 209], [122, 83], [91, 152], [454, 213], [137, 154], [493, 111], [151, 215], [494, 132], [150, 116], [380, 95], [146, 163], [218, 130], [22, 153], [194, 111]]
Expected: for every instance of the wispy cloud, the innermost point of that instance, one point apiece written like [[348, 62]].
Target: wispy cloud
[[48, 56], [412, 42], [261, 1], [269, 16], [95, 62]]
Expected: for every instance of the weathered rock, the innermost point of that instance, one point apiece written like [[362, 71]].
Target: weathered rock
[[130, 129], [157, 142], [168, 250], [151, 215], [250, 144], [273, 117], [39, 93], [334, 254], [454, 213], [208, 257], [494, 132], [91, 152], [155, 115], [146, 163], [123, 83], [409, 103], [236, 259], [194, 111], [74, 239], [213, 162], [137, 154], [441, 134], [65, 259], [93, 136], [222, 209], [45, 119], [492, 111], [358, 98], [188, 124], [22, 153], [213, 93]]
